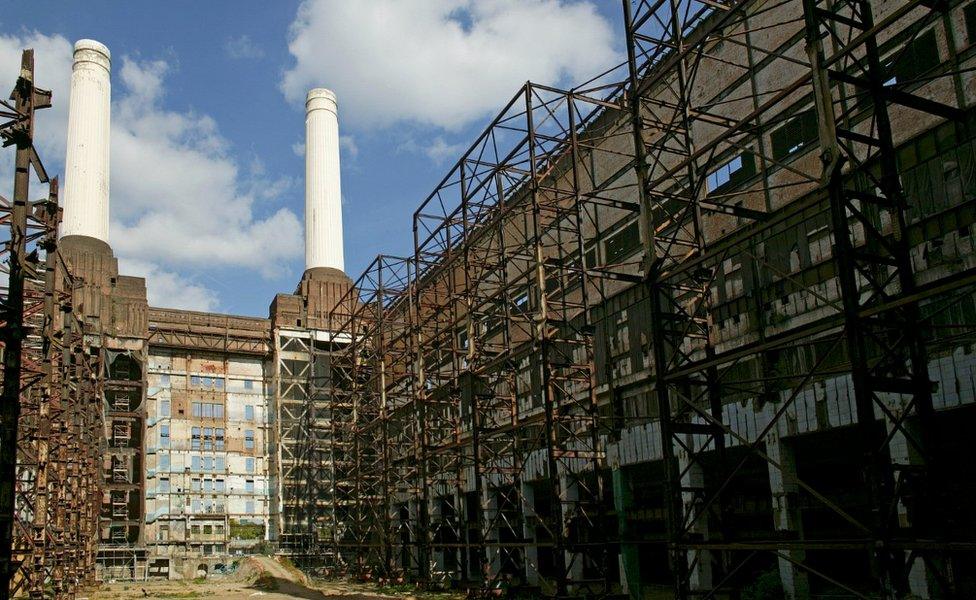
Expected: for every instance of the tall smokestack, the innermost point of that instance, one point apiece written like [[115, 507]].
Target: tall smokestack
[[86, 164], [323, 199]]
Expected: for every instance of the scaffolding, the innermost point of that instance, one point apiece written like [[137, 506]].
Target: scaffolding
[[52, 423], [730, 210]]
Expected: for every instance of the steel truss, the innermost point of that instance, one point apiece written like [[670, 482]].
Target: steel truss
[[301, 387], [869, 322], [52, 426], [369, 387], [480, 404]]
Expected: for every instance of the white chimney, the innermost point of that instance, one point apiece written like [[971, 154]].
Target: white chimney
[[86, 164], [323, 198]]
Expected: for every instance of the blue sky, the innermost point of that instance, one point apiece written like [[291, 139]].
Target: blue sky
[[207, 172]]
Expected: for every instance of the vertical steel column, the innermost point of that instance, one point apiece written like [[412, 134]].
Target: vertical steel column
[[20, 133]]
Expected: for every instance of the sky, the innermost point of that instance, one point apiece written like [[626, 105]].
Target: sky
[[207, 171]]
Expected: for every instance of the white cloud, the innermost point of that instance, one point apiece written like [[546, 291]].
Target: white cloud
[[242, 47], [52, 69], [180, 199], [441, 62], [347, 143], [167, 289], [179, 196], [437, 150]]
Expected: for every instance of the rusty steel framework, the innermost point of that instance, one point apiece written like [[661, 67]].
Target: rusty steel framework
[[478, 416], [876, 325], [50, 444]]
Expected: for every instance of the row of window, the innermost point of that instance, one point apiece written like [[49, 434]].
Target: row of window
[[208, 410], [207, 382], [205, 410], [209, 485], [217, 529], [207, 438], [206, 463]]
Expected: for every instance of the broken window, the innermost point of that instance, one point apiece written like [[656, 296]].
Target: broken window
[[797, 133], [623, 243], [732, 173], [916, 59]]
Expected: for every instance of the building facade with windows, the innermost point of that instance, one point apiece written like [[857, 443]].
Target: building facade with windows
[[207, 446]]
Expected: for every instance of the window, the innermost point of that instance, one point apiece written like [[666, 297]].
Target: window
[[218, 411], [220, 463], [623, 243], [207, 411], [195, 438], [197, 463], [164, 485], [164, 380], [164, 435], [208, 485], [797, 133], [195, 381], [249, 486], [208, 438], [917, 58], [164, 462], [164, 408], [219, 383], [521, 301], [249, 464], [195, 529], [207, 529], [249, 507], [248, 384], [195, 484], [219, 485], [197, 409], [208, 463], [249, 439], [249, 413], [731, 173], [219, 438], [589, 258], [197, 504]]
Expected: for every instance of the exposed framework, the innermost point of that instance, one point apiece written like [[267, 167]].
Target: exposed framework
[[51, 401], [482, 383], [876, 318]]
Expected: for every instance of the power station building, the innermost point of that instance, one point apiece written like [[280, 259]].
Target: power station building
[[205, 413], [706, 323]]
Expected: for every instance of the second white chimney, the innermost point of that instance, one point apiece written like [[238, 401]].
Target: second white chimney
[[87, 162], [323, 195]]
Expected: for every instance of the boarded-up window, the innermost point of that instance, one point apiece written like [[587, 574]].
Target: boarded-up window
[[797, 133], [918, 57], [623, 243]]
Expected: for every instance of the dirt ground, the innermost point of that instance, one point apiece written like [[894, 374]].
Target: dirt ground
[[258, 577]]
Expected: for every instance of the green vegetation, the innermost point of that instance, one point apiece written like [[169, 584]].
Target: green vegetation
[[246, 531]]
